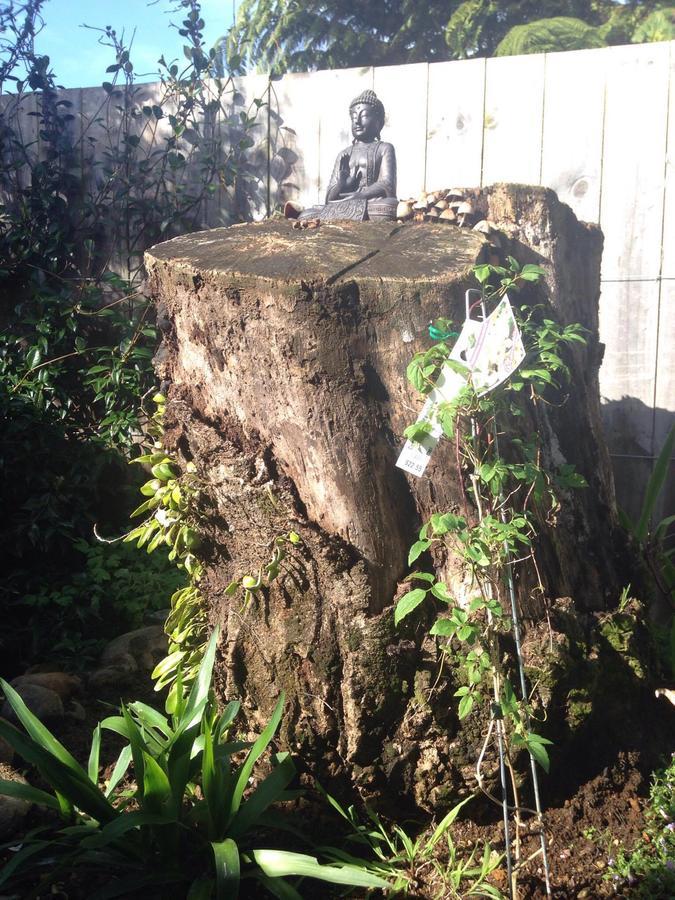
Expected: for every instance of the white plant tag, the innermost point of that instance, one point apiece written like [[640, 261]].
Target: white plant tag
[[491, 350]]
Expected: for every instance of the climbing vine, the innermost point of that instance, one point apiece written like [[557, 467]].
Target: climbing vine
[[172, 519], [506, 492]]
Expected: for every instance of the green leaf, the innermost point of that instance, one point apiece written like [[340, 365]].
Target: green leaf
[[420, 576], [255, 752], [482, 273], [446, 822], [73, 789], [94, 753], [27, 792], [119, 771], [269, 791], [440, 591], [125, 822], [226, 860], [465, 706], [281, 863], [417, 549], [655, 485], [538, 751], [168, 664], [408, 603], [157, 794], [443, 628], [199, 692], [18, 859], [40, 734]]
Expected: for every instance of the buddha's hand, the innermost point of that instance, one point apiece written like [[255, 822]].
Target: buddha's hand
[[343, 171]]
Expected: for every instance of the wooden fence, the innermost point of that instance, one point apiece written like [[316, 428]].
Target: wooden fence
[[597, 126]]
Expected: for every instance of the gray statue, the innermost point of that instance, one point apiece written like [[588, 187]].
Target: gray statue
[[363, 183]]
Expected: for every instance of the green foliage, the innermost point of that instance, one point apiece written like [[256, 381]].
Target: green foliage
[[655, 543], [512, 494], [647, 871], [283, 36], [402, 859], [108, 592], [172, 517], [546, 35], [657, 26], [76, 338], [251, 584], [187, 820]]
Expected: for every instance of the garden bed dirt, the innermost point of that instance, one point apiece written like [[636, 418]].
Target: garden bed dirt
[[584, 830]]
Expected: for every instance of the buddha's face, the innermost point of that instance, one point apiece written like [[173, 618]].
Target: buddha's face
[[366, 122]]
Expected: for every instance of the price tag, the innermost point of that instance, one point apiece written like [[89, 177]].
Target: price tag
[[491, 350]]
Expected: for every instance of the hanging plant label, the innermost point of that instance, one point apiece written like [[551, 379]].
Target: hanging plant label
[[488, 352]]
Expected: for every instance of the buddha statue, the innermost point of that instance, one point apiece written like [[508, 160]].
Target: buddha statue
[[363, 183]]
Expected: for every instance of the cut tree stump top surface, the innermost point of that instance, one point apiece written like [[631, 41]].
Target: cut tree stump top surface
[[329, 253]]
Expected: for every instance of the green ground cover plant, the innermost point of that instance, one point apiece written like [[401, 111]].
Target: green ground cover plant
[[647, 871], [186, 823], [110, 590]]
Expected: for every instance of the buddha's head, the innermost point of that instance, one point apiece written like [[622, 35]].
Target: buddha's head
[[367, 115]]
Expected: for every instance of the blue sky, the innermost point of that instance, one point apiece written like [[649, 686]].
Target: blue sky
[[79, 61]]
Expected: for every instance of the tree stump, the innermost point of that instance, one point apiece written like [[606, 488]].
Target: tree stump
[[286, 351]]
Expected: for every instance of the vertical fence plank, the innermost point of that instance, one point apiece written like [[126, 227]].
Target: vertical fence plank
[[295, 101], [664, 399], [514, 96], [634, 157], [403, 90], [629, 328], [455, 123], [668, 260], [574, 94]]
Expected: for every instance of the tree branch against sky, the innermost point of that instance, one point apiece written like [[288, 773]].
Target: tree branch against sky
[[300, 35]]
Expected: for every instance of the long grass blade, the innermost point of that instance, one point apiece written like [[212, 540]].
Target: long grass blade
[[124, 823], [254, 754], [75, 787], [17, 861], [228, 875], [655, 485], [199, 692], [120, 770], [268, 792], [27, 792], [94, 755], [281, 863], [40, 734], [446, 822]]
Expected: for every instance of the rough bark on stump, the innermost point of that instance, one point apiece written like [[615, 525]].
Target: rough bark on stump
[[286, 352]]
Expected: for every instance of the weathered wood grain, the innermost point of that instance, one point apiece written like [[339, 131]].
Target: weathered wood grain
[[629, 328], [294, 140], [455, 123], [668, 242], [406, 123], [631, 213], [571, 159], [514, 103]]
